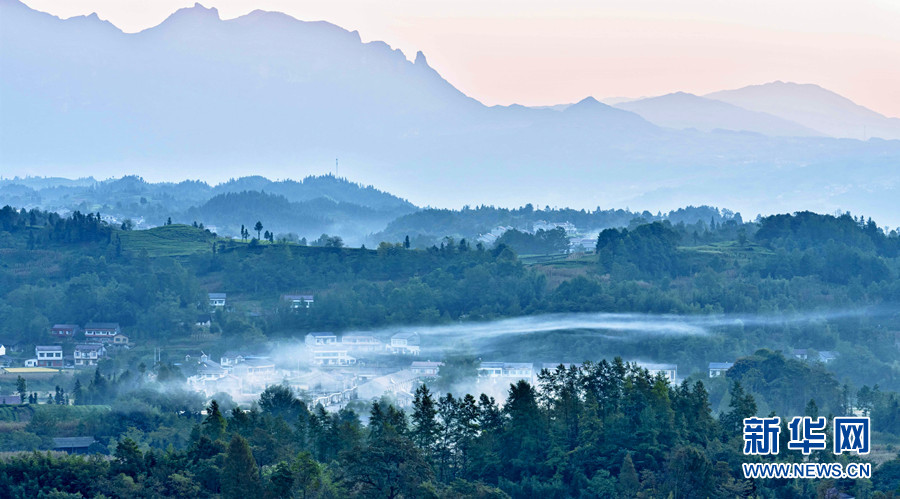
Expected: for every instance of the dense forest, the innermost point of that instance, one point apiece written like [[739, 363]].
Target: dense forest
[[764, 288], [600, 430]]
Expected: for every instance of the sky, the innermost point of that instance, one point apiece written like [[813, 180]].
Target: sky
[[540, 52]]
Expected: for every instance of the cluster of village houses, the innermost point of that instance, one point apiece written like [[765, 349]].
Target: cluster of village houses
[[76, 346], [327, 370], [330, 370]]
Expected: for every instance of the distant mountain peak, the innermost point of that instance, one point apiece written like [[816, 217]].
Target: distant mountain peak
[[198, 11], [813, 106], [420, 59]]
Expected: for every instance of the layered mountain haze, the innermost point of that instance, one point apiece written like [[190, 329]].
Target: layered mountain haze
[[815, 107], [201, 97], [305, 208], [682, 110]]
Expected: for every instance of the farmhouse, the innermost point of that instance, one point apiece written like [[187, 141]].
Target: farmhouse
[[73, 445], [320, 338], [49, 355], [425, 368], [87, 354], [405, 343], [230, 358], [331, 355], [64, 330], [255, 367], [298, 301], [361, 343], [506, 370], [669, 371], [326, 388], [399, 384], [103, 332], [717, 369], [216, 299]]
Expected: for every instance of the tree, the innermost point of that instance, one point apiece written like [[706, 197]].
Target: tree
[[78, 393], [60, 397], [240, 475], [258, 227], [22, 388], [280, 401], [281, 481], [629, 483], [425, 428], [214, 425], [742, 406], [389, 467], [169, 221], [406, 242], [812, 409], [128, 457]]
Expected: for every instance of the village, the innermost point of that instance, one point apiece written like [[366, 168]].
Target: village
[[327, 368]]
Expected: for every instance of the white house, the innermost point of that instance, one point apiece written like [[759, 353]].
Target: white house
[[827, 356], [255, 367], [49, 355], [210, 371], [318, 338], [506, 370], [232, 358], [203, 320], [217, 299], [361, 343], [405, 343], [400, 385], [299, 301], [717, 369], [101, 332], [331, 355], [425, 368], [669, 371], [89, 354], [2, 350], [326, 388]]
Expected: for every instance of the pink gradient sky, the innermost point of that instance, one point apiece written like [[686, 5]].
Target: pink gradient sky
[[557, 51]]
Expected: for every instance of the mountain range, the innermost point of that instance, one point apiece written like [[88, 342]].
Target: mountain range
[[202, 97], [305, 208]]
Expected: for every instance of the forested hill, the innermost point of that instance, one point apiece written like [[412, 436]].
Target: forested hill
[[327, 203], [60, 269], [428, 226], [308, 219], [759, 290]]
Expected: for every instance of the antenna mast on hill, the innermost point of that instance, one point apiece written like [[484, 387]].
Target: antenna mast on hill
[[336, 174]]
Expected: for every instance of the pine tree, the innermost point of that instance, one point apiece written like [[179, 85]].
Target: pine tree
[[22, 388], [424, 426], [215, 423], [628, 478], [240, 475]]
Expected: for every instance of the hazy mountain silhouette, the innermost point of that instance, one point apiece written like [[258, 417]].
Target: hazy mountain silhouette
[[815, 107], [682, 110], [307, 207], [199, 97]]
